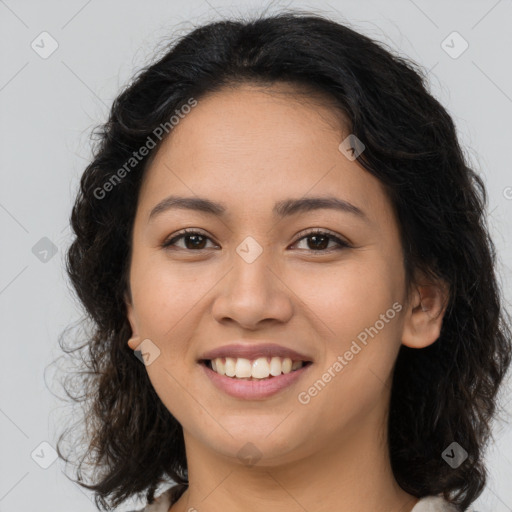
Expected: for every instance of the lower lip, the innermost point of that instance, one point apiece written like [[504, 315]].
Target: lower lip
[[254, 389]]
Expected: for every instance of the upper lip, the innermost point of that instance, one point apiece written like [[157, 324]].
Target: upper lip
[[254, 351]]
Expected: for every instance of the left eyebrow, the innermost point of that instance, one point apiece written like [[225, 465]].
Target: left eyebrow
[[290, 207], [285, 208]]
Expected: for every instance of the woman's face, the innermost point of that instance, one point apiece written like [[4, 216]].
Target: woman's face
[[252, 276]]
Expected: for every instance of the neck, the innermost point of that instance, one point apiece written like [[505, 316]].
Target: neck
[[353, 473]]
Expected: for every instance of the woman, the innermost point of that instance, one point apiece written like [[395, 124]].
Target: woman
[[279, 223]]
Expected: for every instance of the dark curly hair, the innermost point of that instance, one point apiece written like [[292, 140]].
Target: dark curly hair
[[443, 393]]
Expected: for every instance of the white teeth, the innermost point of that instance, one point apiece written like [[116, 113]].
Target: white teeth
[[220, 367], [230, 366], [287, 365], [275, 366], [243, 368], [261, 368]]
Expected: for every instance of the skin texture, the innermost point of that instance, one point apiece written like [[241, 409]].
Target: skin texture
[[249, 147]]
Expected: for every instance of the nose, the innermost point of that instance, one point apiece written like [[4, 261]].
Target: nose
[[252, 294]]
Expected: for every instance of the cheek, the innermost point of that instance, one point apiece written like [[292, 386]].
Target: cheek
[[348, 297], [353, 306], [165, 292], [354, 376]]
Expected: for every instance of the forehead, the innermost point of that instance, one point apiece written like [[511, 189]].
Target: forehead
[[251, 144]]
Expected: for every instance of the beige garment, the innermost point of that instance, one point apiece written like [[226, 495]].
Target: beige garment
[[161, 503], [427, 504], [432, 504]]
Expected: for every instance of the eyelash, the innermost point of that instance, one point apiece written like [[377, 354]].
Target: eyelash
[[167, 244]]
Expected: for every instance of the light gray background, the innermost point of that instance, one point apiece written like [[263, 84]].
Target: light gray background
[[48, 108]]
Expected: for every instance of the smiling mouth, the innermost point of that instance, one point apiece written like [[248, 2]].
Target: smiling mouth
[[262, 368]]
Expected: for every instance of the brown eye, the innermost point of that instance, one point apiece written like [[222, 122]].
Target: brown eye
[[193, 241], [319, 241]]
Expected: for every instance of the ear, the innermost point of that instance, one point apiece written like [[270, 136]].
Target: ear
[[424, 316], [135, 340]]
